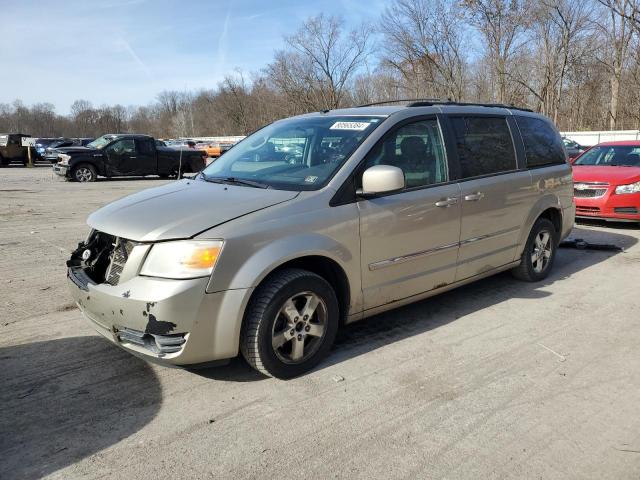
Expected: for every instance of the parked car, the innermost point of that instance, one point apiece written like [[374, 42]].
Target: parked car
[[573, 149], [117, 155], [53, 150], [268, 255], [607, 182], [214, 149], [42, 144], [11, 149]]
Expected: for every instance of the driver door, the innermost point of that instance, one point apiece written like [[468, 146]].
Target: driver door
[[121, 157], [410, 239]]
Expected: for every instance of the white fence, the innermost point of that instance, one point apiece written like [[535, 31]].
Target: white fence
[[589, 139], [229, 139]]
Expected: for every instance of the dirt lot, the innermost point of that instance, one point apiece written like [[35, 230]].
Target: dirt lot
[[499, 379]]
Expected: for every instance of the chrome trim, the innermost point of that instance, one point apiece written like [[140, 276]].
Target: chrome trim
[[412, 256], [489, 235]]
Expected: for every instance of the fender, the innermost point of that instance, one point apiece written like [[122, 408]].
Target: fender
[[548, 200], [97, 163], [251, 271]]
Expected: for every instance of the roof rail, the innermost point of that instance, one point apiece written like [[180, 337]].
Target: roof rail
[[430, 103], [411, 101]]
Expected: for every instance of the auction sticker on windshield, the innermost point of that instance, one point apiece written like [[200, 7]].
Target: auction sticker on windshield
[[349, 126]]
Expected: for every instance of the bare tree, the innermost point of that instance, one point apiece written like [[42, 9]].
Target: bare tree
[[424, 44], [502, 24], [618, 30], [558, 30], [325, 58]]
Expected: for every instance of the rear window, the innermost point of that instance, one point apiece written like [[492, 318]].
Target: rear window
[[4, 139], [542, 144], [484, 145]]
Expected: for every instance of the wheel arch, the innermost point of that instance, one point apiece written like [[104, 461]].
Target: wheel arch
[[326, 268], [322, 256], [548, 207], [85, 161]]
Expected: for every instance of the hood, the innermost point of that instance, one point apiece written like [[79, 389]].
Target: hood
[[72, 150], [611, 175], [181, 209]]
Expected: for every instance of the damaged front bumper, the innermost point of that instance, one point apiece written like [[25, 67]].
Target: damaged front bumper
[[167, 321]]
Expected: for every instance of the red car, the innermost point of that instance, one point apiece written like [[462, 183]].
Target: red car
[[606, 182]]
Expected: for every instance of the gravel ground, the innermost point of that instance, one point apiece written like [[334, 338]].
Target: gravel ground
[[498, 379]]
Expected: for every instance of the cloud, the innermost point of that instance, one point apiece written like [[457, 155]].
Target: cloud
[[123, 44], [223, 42]]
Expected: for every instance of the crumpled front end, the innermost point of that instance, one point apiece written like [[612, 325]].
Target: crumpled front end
[[166, 320]]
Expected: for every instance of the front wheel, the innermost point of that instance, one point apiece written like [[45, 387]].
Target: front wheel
[[539, 252], [290, 324], [84, 173]]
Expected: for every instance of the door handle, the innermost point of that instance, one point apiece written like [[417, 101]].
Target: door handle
[[446, 202], [474, 197], [133, 157]]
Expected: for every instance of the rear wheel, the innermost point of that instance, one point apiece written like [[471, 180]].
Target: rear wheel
[[539, 252], [84, 173], [290, 324]]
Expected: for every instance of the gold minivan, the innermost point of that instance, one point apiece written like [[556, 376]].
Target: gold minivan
[[320, 220]]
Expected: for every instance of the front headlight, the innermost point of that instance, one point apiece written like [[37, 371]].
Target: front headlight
[[63, 158], [630, 188], [182, 259]]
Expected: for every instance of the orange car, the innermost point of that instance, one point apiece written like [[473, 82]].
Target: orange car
[[214, 150]]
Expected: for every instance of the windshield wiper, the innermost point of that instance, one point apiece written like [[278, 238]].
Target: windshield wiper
[[235, 181]]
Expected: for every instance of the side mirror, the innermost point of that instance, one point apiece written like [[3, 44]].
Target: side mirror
[[381, 179]]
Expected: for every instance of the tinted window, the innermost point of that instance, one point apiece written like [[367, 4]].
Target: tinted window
[[417, 149], [484, 145], [542, 144], [145, 146]]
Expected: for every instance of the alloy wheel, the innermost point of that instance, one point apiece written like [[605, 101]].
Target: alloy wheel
[[83, 174], [299, 327], [541, 254]]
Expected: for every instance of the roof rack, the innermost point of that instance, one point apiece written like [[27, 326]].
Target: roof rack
[[430, 103], [403, 100]]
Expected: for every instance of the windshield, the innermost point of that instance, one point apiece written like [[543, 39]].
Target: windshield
[[294, 154], [611, 157], [99, 143]]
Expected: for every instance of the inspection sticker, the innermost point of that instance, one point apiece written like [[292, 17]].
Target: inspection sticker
[[349, 126], [311, 179]]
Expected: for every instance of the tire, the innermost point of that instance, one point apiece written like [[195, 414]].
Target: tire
[[84, 173], [276, 315], [176, 173], [539, 252]]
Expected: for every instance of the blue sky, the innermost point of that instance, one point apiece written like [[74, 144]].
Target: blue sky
[[127, 51]]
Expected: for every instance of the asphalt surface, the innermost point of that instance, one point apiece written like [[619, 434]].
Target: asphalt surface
[[499, 379]]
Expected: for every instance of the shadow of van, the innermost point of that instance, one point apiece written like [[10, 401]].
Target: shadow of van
[[395, 325], [63, 400]]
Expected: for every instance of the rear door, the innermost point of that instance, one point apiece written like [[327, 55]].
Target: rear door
[[409, 239], [495, 193], [146, 163]]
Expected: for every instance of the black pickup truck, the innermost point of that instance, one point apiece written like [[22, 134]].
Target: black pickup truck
[[123, 155]]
